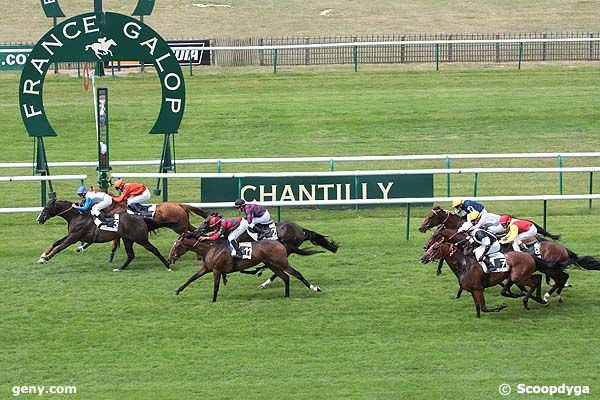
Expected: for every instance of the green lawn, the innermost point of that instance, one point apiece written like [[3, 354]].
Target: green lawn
[[384, 326]]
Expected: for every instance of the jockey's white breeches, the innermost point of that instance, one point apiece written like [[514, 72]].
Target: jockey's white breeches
[[236, 233], [266, 217], [101, 205], [139, 198]]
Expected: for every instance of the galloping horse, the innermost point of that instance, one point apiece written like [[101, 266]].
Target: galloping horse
[[177, 213], [132, 229], [216, 258], [288, 233], [521, 267]]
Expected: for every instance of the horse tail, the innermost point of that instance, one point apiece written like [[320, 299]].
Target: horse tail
[[588, 262], [542, 265], [291, 249], [195, 210], [319, 240], [154, 225], [88, 47]]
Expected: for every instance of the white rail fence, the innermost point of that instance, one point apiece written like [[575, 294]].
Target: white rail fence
[[400, 201]]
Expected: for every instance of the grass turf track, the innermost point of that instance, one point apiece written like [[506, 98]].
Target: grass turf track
[[384, 327]]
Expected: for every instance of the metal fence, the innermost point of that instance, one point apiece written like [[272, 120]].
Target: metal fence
[[407, 54]]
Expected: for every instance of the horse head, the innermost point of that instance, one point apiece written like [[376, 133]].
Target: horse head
[[48, 212], [434, 252], [434, 218]]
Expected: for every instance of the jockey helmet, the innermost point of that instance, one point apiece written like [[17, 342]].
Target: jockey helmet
[[457, 202], [504, 219], [213, 221], [473, 215], [119, 184], [81, 190], [239, 203]]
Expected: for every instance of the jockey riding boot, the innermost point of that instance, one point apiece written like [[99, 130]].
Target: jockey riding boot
[[102, 217], [236, 247], [516, 246], [135, 207]]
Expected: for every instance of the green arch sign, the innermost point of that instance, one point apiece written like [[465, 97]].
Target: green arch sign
[[101, 37]]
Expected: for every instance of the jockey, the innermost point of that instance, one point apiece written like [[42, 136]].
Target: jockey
[[255, 214], [487, 246], [96, 200], [488, 221], [134, 193], [226, 226], [468, 206], [518, 229]]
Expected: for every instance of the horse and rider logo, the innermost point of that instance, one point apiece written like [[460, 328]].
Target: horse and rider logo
[[102, 47]]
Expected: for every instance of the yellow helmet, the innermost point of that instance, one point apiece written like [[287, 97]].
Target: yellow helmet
[[473, 215], [457, 202]]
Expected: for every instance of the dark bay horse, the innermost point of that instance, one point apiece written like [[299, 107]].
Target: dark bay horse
[[288, 233], [165, 212], [472, 278], [217, 259], [132, 229]]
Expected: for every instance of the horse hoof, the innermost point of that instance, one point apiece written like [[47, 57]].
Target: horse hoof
[[40, 261], [169, 270], [262, 286], [116, 269], [177, 293], [315, 288], [560, 300]]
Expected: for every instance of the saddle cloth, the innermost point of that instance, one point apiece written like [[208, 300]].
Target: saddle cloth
[[245, 247], [533, 249], [495, 262], [266, 231]]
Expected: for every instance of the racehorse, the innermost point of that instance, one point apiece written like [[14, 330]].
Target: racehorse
[[132, 229], [165, 212], [216, 258], [287, 233], [521, 267]]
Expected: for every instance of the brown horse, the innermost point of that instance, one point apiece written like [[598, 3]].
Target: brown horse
[[521, 267], [217, 258], [165, 212], [288, 233], [132, 229]]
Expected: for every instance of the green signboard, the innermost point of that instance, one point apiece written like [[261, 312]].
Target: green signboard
[[264, 189], [101, 37], [52, 9], [13, 57]]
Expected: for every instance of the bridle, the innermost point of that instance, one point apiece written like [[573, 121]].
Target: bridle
[[435, 212]]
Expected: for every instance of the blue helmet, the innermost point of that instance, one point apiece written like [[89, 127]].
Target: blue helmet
[[81, 190]]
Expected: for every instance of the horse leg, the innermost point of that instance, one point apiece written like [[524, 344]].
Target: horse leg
[[128, 243], [83, 246], [286, 281], [150, 247], [506, 290], [290, 270], [438, 272], [49, 250], [113, 250], [217, 281], [479, 303], [197, 275], [64, 243], [268, 281], [459, 293], [480, 297], [560, 278], [535, 282]]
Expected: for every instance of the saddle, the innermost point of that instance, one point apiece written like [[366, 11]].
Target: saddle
[[266, 231]]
